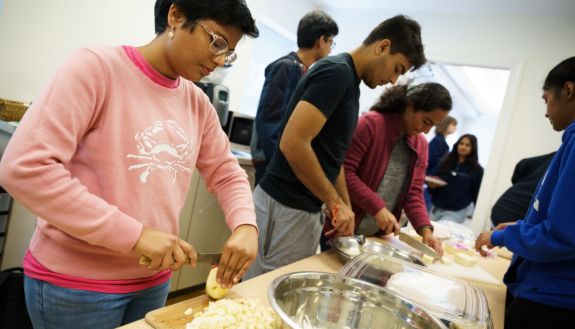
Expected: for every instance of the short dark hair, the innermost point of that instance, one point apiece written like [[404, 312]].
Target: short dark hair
[[224, 12], [314, 25], [425, 97], [441, 128], [563, 72], [405, 36]]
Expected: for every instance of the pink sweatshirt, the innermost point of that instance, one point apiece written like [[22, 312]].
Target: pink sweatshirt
[[105, 151]]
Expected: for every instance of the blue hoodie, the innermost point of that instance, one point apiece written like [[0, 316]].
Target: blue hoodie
[[543, 244]]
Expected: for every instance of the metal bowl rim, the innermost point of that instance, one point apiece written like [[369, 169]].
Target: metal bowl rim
[[292, 324], [349, 257]]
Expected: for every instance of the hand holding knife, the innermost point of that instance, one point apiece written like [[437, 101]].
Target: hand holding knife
[[211, 258], [419, 246]]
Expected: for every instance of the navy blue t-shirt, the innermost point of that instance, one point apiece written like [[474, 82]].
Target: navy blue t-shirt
[[332, 86], [438, 149]]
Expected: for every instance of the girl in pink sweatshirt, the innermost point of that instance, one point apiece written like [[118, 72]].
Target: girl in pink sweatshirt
[[105, 157]]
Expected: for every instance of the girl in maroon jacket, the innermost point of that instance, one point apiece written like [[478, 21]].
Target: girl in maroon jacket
[[386, 161]]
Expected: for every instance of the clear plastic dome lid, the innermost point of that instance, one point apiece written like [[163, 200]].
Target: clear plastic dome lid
[[448, 298]]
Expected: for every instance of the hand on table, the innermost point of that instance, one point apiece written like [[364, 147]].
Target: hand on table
[[428, 238], [484, 239], [238, 254]]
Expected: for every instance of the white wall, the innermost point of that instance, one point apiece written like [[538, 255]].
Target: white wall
[[36, 36], [286, 14], [530, 45]]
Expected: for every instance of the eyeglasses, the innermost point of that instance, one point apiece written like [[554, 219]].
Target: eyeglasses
[[331, 43], [219, 46]]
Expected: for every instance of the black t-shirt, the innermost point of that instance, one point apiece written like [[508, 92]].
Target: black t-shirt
[[332, 86], [513, 204]]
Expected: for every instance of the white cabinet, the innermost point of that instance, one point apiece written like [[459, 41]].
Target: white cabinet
[[202, 224]]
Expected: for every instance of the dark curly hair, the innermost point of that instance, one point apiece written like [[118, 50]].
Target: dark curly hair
[[425, 97]]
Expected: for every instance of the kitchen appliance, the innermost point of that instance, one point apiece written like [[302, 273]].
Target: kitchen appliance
[[219, 96], [240, 130], [325, 300]]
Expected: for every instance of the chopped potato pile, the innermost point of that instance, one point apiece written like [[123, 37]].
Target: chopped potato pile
[[237, 314]]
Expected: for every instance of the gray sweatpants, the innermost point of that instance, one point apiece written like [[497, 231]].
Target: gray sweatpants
[[286, 234]]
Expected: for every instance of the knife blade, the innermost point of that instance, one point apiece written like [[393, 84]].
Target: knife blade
[[202, 258], [419, 246], [209, 258]]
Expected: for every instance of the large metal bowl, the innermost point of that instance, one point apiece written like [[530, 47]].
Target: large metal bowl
[[349, 247], [306, 300]]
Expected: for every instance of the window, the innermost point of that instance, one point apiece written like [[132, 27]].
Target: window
[[478, 94]]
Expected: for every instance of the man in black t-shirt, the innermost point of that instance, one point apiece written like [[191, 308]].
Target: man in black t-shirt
[[315, 34], [306, 168]]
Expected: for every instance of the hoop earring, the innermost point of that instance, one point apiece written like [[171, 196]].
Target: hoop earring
[[171, 33]]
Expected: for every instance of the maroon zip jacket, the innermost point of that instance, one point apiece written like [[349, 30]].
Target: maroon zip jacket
[[366, 162]]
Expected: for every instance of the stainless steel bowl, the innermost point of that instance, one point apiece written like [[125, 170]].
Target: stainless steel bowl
[[349, 247], [306, 300]]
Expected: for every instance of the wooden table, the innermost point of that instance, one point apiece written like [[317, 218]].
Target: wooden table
[[328, 262]]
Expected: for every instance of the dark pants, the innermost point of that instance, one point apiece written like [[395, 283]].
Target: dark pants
[[524, 314]]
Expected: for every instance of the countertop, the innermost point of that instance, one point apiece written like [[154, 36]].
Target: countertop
[[328, 262]]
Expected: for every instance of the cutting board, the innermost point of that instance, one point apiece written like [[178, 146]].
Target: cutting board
[[172, 316], [474, 273]]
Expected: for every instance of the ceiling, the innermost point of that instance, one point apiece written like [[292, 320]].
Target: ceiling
[[478, 6]]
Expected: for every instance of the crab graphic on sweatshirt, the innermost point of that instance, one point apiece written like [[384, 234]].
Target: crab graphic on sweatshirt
[[164, 146]]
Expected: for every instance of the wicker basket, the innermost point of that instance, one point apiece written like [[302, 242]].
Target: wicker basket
[[12, 110]]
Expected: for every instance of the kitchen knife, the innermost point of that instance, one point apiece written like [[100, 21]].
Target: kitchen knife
[[419, 246], [209, 258], [202, 258]]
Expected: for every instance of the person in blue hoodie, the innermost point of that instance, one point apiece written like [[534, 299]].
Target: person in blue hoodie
[[541, 278]]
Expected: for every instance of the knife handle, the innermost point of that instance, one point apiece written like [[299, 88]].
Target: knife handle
[[145, 260]]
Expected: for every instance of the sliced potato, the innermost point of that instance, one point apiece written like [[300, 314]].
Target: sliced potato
[[213, 288]]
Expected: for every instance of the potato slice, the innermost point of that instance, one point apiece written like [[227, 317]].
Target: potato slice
[[213, 288]]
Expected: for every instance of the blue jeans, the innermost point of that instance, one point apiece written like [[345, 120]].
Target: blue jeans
[[53, 307], [458, 216]]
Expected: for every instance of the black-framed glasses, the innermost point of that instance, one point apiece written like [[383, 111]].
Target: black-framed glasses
[[219, 45]]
